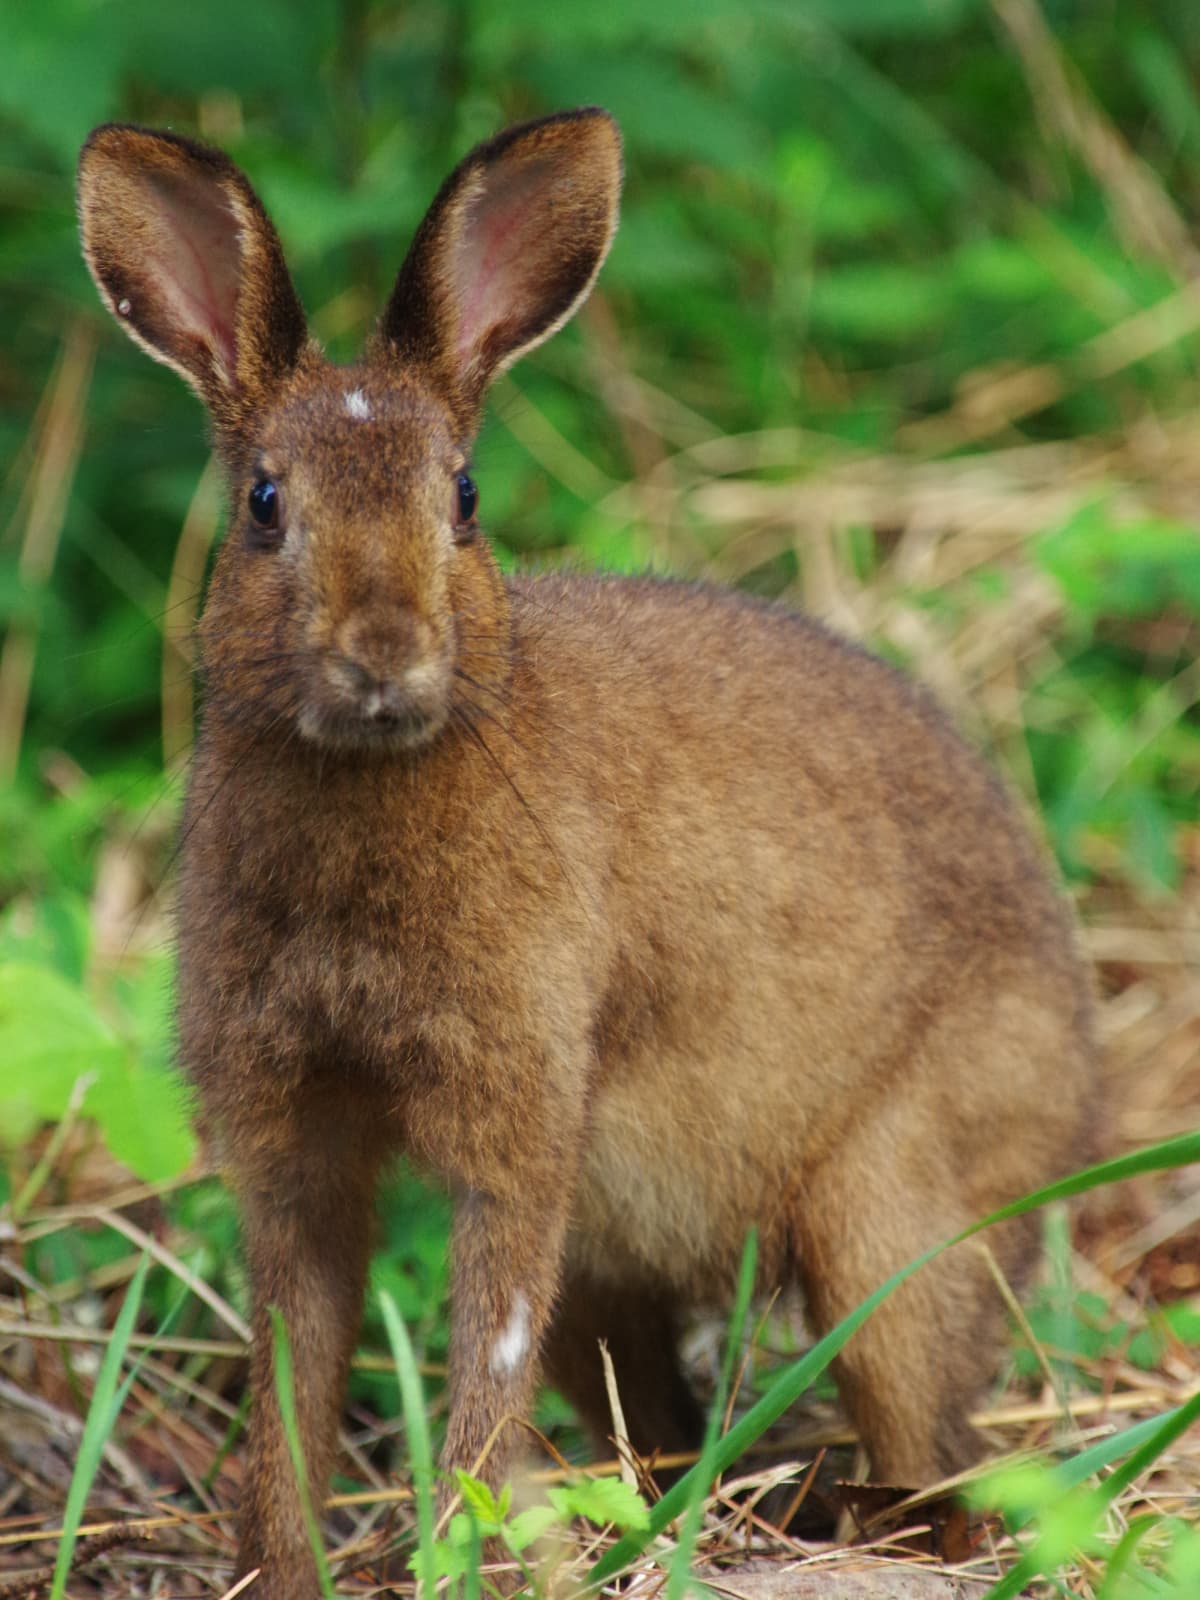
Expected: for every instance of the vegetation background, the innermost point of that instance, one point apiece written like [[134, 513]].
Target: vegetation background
[[901, 324]]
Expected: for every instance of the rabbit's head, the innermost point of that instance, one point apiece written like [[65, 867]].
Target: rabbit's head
[[353, 596]]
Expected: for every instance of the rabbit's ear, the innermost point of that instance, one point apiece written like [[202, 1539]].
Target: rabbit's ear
[[186, 259], [508, 250]]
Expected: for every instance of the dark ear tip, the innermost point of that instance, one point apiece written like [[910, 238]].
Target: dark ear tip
[[598, 130], [594, 114], [126, 142], [603, 124], [586, 125], [109, 137], [105, 140]]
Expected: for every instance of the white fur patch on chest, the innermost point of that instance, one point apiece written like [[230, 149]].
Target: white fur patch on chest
[[357, 406], [512, 1345]]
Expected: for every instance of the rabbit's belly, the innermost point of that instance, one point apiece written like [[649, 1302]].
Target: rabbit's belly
[[669, 1187]]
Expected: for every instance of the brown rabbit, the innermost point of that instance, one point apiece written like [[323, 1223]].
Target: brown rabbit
[[636, 912]]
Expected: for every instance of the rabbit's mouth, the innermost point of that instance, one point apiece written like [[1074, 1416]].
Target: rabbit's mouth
[[381, 730]]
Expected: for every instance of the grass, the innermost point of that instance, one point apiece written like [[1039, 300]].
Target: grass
[[1068, 1507], [286, 1389], [416, 1430], [106, 1403]]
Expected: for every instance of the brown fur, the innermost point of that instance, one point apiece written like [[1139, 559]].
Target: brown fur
[[644, 914]]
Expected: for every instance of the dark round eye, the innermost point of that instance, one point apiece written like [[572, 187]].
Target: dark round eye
[[263, 501], [466, 500]]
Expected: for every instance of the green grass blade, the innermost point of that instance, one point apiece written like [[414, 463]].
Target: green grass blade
[[706, 1470], [285, 1389], [1169, 1429], [795, 1380], [102, 1414], [1105, 1451], [416, 1426], [471, 1583], [1124, 1554]]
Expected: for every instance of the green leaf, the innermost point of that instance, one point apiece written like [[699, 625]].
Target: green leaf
[[1118, 566], [285, 1393], [603, 1500], [416, 1427], [50, 1036], [142, 1112], [1179, 1322], [479, 1500]]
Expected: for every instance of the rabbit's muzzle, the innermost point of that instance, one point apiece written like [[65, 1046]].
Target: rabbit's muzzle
[[381, 682]]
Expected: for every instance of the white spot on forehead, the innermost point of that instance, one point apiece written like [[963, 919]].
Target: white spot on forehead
[[512, 1345], [356, 405]]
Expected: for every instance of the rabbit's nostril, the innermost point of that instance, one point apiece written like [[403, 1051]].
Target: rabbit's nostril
[[382, 704]]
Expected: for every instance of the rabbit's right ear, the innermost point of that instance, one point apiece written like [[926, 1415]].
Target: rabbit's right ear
[[186, 259], [507, 251]]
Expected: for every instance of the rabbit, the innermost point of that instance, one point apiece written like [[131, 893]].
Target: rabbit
[[634, 911]]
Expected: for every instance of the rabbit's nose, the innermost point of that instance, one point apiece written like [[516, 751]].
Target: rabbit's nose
[[380, 697], [380, 649], [384, 703]]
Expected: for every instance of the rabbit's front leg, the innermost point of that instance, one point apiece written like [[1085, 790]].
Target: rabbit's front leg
[[506, 1270], [502, 1122], [306, 1184]]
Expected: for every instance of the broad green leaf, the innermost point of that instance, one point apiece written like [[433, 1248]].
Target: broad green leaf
[[50, 1036], [142, 1112], [478, 1499], [602, 1500]]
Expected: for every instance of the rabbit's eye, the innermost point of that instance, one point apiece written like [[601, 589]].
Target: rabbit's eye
[[263, 501], [466, 503]]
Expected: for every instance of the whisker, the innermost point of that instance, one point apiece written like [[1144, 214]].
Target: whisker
[[464, 722]]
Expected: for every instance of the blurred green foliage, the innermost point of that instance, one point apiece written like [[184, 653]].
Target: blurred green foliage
[[838, 215]]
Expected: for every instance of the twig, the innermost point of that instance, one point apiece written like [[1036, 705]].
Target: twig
[[24, 1585]]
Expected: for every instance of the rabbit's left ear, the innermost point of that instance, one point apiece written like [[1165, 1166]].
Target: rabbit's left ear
[[187, 261], [507, 251]]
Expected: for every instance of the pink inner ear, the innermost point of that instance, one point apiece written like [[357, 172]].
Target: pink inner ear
[[194, 257], [499, 250]]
